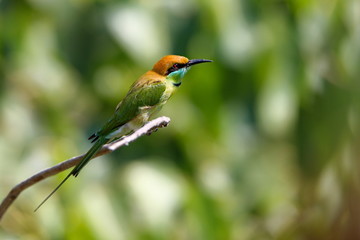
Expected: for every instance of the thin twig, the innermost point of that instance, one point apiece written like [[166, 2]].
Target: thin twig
[[147, 129]]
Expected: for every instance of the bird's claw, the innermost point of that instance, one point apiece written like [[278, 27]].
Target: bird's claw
[[154, 129]]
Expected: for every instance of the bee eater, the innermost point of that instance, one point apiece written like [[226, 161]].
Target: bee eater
[[146, 96]]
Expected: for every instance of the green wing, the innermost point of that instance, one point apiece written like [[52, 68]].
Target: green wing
[[130, 106]]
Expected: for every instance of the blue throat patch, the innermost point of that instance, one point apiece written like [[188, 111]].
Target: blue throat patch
[[177, 76]]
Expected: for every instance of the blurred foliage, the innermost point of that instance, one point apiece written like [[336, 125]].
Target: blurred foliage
[[263, 143]]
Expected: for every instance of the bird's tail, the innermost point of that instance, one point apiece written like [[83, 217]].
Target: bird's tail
[[88, 156]]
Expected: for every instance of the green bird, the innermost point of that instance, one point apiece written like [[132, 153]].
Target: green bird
[[146, 96]]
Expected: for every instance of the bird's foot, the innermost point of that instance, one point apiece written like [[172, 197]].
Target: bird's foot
[[154, 129]]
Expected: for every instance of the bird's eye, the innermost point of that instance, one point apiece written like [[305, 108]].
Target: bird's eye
[[174, 67]]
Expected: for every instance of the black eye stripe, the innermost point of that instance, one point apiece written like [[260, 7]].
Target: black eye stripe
[[175, 67]]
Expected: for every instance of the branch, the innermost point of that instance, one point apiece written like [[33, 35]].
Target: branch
[[147, 129]]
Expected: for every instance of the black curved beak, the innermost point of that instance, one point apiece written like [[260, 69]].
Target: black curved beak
[[197, 61]]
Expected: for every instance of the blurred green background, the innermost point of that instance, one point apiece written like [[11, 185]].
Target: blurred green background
[[264, 142]]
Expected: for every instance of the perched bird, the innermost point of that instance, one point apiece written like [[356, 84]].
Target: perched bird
[[146, 96]]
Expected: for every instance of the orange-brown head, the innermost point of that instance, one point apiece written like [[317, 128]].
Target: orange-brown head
[[173, 63]]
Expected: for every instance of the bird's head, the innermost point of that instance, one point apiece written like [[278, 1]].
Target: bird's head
[[174, 67]]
